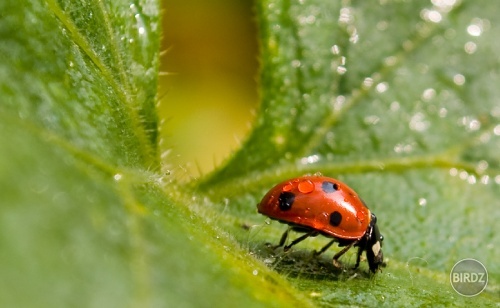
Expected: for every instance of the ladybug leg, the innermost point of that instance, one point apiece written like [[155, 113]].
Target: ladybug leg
[[339, 254], [358, 257], [300, 239], [317, 253], [283, 238]]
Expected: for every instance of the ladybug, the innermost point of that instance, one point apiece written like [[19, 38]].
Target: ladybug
[[322, 205]]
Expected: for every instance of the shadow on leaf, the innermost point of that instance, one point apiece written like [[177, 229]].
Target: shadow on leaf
[[304, 264]]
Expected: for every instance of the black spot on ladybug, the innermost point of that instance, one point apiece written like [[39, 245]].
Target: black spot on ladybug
[[335, 218], [329, 187], [286, 200]]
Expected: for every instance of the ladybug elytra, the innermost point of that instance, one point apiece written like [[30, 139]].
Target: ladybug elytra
[[322, 205]]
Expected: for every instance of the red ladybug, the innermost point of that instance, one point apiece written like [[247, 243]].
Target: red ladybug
[[322, 205]]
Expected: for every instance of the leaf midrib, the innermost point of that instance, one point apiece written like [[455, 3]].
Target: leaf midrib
[[444, 160]]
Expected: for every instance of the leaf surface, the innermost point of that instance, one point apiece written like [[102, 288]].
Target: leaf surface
[[399, 100], [86, 216], [396, 99]]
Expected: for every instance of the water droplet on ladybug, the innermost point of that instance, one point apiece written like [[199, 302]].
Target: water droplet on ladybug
[[306, 186]]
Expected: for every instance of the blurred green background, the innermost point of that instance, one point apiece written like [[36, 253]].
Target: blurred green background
[[208, 84]]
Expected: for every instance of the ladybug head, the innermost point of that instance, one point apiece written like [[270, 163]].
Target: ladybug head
[[372, 243]]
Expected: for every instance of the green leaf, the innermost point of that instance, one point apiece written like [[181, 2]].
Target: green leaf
[[86, 216], [91, 217], [399, 100]]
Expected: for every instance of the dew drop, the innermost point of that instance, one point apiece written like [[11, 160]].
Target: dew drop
[[398, 148], [311, 159], [474, 30], [306, 187], [418, 123], [339, 102], [459, 79], [390, 61], [470, 47], [346, 16], [434, 16], [470, 123], [354, 38], [481, 166], [394, 106], [368, 82], [403, 148], [307, 19], [442, 112], [382, 87], [496, 130], [335, 49], [485, 179], [474, 125], [371, 119], [422, 202], [117, 177], [471, 179], [428, 94], [444, 5], [341, 70], [431, 15]]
